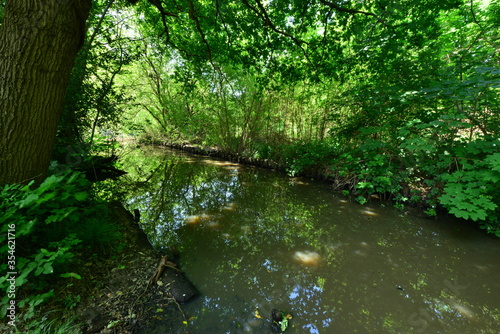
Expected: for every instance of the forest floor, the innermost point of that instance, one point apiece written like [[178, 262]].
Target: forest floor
[[121, 299], [114, 294]]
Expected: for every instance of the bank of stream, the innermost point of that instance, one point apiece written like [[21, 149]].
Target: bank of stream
[[252, 241]]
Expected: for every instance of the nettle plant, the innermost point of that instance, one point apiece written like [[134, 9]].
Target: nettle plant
[[38, 219]]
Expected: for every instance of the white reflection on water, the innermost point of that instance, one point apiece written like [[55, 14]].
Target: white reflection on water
[[307, 258]]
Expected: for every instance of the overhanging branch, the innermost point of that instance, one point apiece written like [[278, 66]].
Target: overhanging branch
[[193, 17], [351, 11], [164, 14]]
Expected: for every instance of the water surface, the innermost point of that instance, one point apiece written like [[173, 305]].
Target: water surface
[[253, 240]]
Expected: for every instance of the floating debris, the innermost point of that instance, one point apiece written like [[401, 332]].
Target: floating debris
[[463, 310], [279, 320], [192, 219], [213, 224], [369, 212], [229, 207]]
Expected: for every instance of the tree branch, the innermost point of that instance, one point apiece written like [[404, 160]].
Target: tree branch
[[351, 11], [262, 13], [202, 34], [164, 13]]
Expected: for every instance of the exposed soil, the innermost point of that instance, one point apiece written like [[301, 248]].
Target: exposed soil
[[235, 157], [114, 292], [123, 301]]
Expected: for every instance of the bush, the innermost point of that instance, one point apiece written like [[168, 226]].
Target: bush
[[41, 228], [458, 173], [304, 155], [473, 190]]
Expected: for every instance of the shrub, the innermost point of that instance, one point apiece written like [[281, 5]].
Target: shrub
[[41, 228], [304, 155]]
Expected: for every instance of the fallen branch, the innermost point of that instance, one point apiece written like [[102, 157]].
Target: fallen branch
[[164, 263]]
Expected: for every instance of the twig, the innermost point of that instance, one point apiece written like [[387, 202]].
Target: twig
[[178, 306]]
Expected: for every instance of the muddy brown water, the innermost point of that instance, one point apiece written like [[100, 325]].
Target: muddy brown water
[[253, 240]]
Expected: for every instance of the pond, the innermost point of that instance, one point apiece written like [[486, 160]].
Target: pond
[[253, 240]]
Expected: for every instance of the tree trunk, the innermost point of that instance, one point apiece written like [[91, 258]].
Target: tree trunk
[[38, 44]]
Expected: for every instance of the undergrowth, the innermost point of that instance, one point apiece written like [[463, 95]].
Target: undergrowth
[[45, 230]]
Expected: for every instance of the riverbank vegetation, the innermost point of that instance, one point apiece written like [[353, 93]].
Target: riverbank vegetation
[[397, 101], [53, 234], [406, 109]]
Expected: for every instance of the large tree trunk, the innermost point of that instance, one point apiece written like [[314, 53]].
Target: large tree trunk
[[38, 44]]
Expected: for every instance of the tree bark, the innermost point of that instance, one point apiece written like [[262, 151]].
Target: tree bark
[[38, 44]]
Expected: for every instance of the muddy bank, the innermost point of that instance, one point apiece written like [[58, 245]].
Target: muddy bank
[[234, 157], [122, 299], [316, 173]]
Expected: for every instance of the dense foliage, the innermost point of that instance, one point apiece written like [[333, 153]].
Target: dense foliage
[[93, 102], [395, 100], [42, 230], [390, 99]]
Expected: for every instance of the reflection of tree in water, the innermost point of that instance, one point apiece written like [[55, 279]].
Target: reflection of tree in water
[[250, 239], [263, 220], [177, 190]]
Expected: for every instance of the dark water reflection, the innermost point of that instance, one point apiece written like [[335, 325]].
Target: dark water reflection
[[252, 240]]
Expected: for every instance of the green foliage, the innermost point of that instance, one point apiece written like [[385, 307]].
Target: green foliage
[[304, 155], [370, 168], [93, 101], [461, 176], [473, 191], [99, 235], [406, 109], [45, 226], [30, 215], [42, 325], [71, 301], [262, 150], [2, 9]]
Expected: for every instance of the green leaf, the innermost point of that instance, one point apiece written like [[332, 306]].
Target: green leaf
[[47, 268], [80, 196], [38, 271], [284, 324], [74, 275], [493, 161], [31, 198]]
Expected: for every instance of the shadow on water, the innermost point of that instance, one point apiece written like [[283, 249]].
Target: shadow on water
[[253, 241]]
